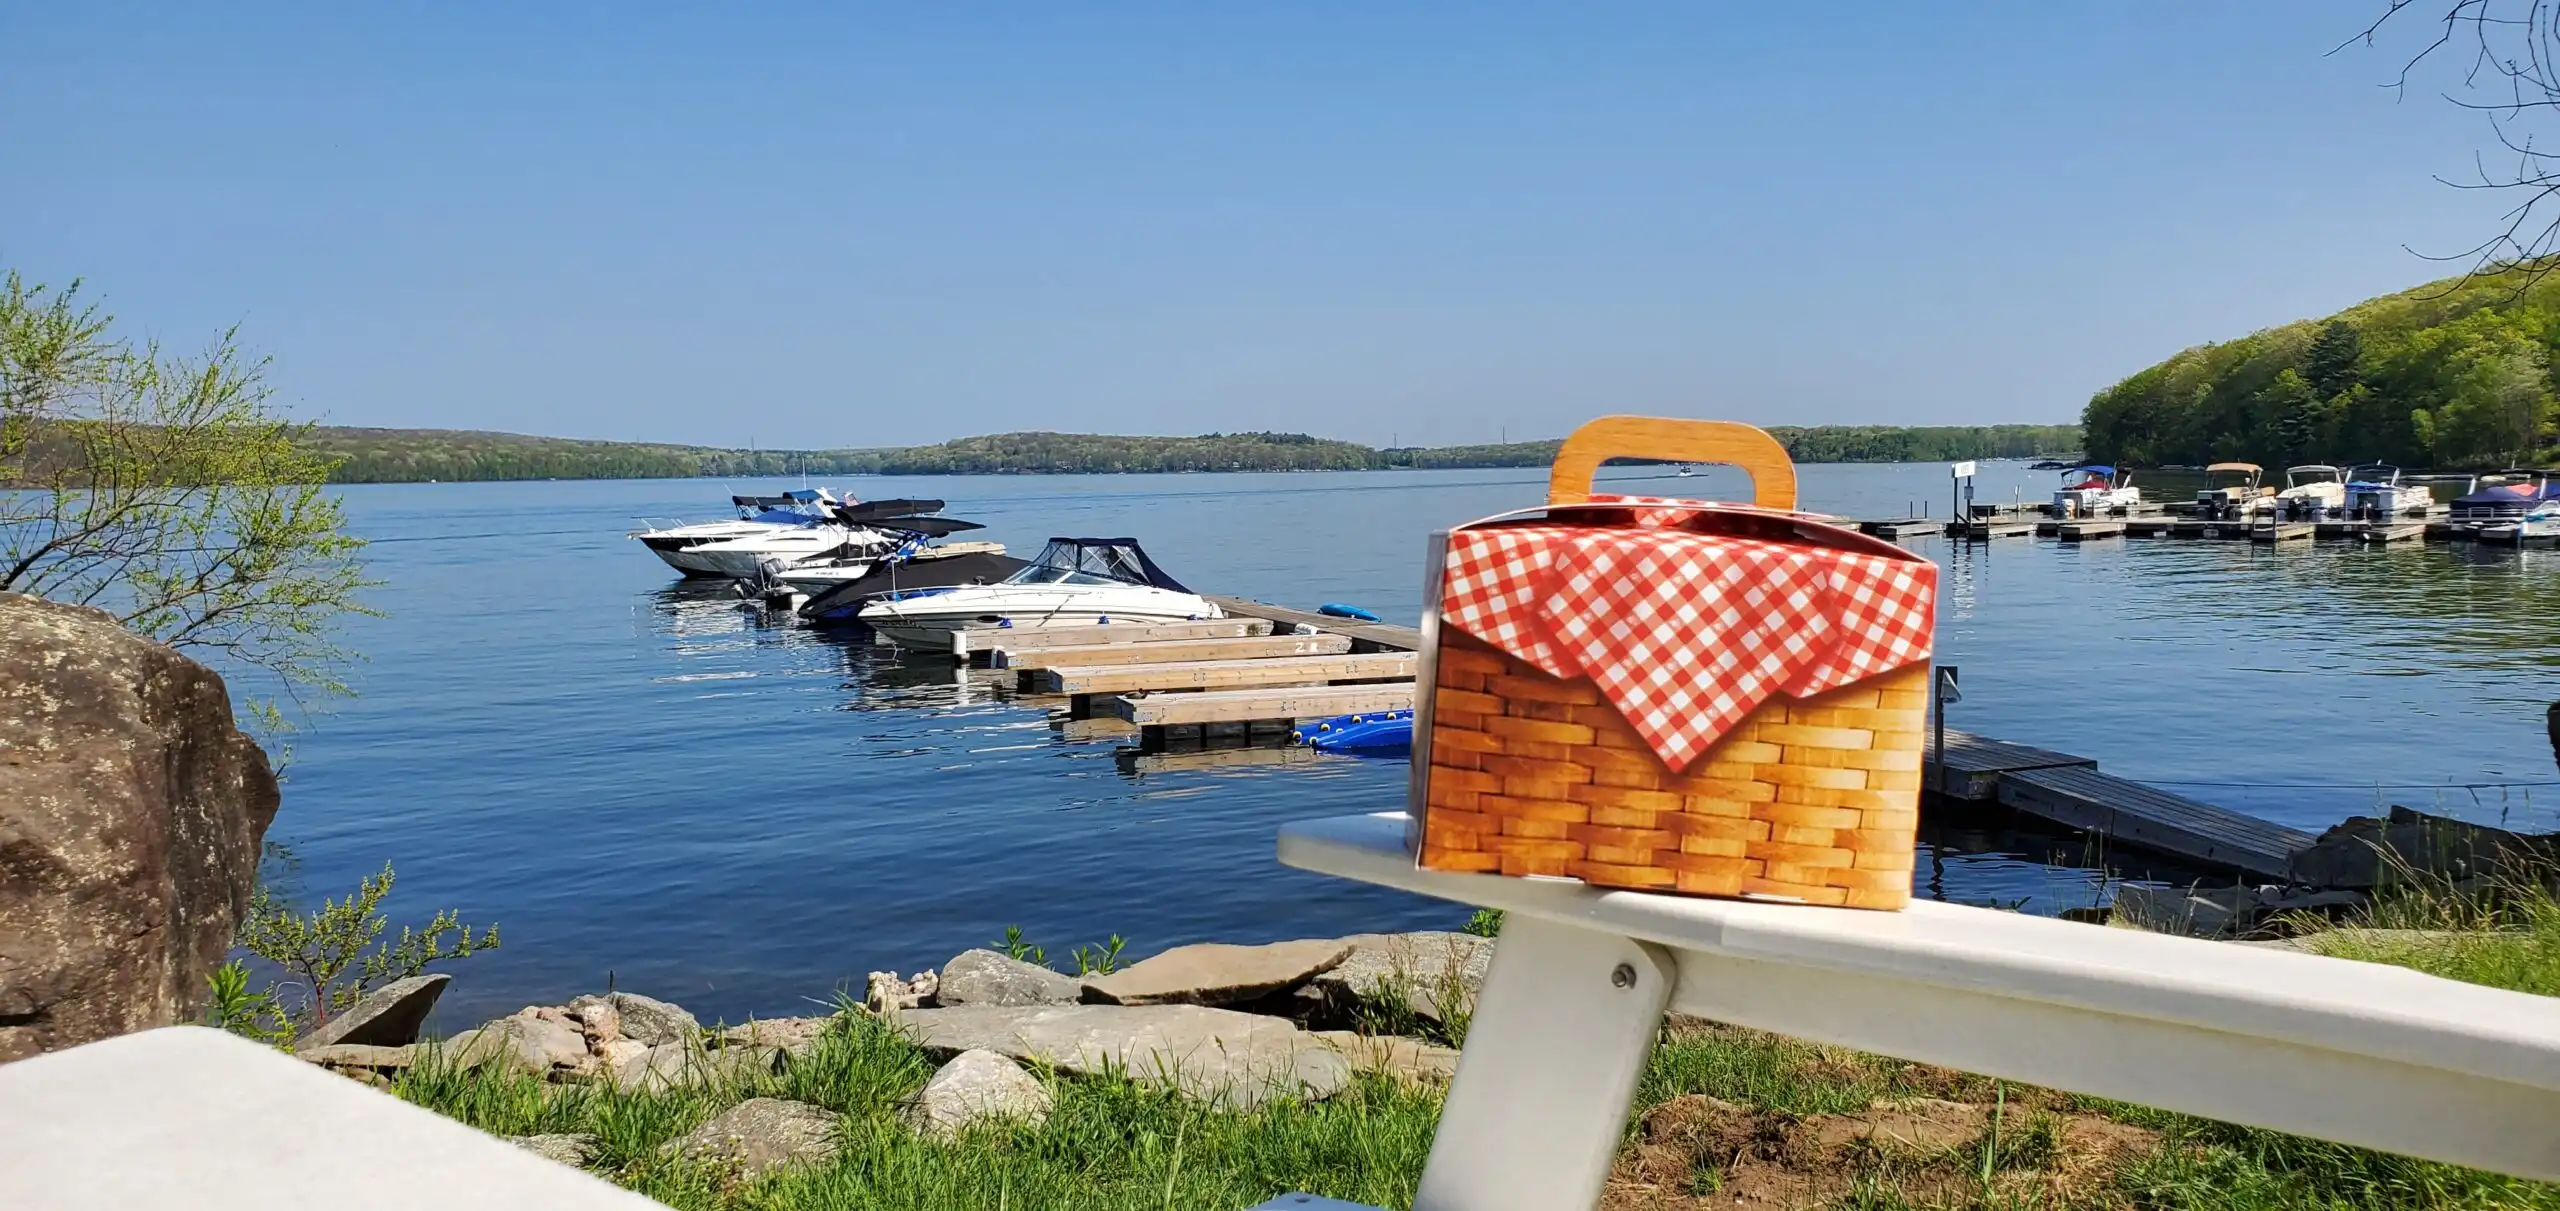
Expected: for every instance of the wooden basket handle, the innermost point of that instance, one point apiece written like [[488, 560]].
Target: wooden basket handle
[[1773, 474]]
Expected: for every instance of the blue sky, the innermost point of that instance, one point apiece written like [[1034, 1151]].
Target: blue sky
[[835, 224]]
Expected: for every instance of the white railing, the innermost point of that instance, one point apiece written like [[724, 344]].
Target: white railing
[[2351, 1052]]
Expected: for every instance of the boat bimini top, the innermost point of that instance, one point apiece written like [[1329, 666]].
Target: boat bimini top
[[1094, 561]]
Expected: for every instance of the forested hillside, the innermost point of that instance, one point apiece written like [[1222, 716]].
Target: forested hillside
[[417, 455], [2453, 374]]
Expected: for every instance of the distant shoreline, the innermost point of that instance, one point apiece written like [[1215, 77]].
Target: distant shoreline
[[463, 456]]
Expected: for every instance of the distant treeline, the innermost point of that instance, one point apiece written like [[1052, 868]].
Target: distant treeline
[[2455, 374], [418, 455]]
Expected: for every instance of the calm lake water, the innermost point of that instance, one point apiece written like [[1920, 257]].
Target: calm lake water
[[641, 781]]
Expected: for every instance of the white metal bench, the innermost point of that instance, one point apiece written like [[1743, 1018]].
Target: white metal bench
[[2351, 1052]]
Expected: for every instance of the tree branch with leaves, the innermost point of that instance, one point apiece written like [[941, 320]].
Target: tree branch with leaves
[[165, 491]]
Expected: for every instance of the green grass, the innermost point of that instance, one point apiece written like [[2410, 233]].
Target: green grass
[[1113, 1144]]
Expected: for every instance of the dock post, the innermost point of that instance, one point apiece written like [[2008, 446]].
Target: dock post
[[1945, 685]]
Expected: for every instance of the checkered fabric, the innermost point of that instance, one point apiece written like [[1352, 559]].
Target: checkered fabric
[[1686, 633]]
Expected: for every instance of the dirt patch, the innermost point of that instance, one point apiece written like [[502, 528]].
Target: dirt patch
[[1698, 1152]]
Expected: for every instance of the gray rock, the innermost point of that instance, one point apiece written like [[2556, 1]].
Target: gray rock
[[983, 977], [673, 1065], [974, 1086], [759, 1135], [573, 1149], [527, 1042], [389, 1016], [1214, 973], [598, 1019], [1411, 1060], [361, 1055], [132, 810], [2364, 852], [1426, 969], [2200, 912], [653, 1021], [1225, 1057], [795, 1036]]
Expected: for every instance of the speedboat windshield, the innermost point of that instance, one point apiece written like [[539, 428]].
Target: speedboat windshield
[[1095, 561]]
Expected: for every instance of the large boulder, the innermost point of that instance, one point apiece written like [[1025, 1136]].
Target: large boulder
[[976, 1086], [389, 1016], [759, 1135], [1215, 973], [536, 1042], [653, 1021], [1432, 972], [1218, 1055], [132, 811], [2362, 852], [983, 977]]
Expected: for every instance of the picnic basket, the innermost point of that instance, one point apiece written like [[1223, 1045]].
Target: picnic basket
[[1672, 695]]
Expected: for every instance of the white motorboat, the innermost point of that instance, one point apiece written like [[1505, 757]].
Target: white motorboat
[[2311, 490], [1073, 582], [2232, 489], [744, 557], [757, 515], [2095, 488], [2378, 490]]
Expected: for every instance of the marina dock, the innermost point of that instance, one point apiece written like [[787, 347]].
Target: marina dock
[[1226, 693]]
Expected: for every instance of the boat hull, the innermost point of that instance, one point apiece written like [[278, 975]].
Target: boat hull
[[926, 621]]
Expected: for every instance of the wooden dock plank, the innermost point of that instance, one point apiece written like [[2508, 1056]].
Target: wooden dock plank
[[1369, 636], [980, 640], [1224, 674], [2001, 527], [2282, 531], [1248, 706], [1138, 761], [1901, 527], [1169, 651], [2151, 818], [2398, 531], [2083, 531], [1974, 763]]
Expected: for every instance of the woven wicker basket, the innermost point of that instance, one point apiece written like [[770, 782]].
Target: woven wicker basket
[[1813, 800]]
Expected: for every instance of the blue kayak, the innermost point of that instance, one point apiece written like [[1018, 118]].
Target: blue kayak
[[1338, 610], [1372, 734]]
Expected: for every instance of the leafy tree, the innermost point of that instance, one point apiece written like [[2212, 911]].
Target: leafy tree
[[161, 489], [2332, 363], [2297, 414], [337, 953]]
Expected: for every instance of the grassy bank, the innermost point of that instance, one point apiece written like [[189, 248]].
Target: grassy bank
[[1723, 1117]]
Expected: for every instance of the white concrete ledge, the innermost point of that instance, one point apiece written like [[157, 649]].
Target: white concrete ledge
[[192, 1118]]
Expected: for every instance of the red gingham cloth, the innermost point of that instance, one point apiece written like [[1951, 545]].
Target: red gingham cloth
[[1684, 633]]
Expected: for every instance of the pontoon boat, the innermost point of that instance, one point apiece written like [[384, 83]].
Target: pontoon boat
[[2095, 488], [2311, 490], [2232, 489], [2378, 490]]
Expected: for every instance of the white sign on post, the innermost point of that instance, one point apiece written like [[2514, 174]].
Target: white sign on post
[[1962, 470]]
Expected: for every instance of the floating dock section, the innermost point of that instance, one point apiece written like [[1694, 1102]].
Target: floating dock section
[[2069, 790]]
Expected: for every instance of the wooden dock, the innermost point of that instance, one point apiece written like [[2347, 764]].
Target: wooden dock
[[1901, 527], [978, 643], [1224, 674], [2396, 531], [2069, 790], [2083, 531], [2283, 531], [1247, 648], [1270, 704], [1989, 528], [2145, 816], [1365, 636]]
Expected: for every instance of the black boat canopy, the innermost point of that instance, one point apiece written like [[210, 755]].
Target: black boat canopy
[[1117, 558], [872, 510]]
